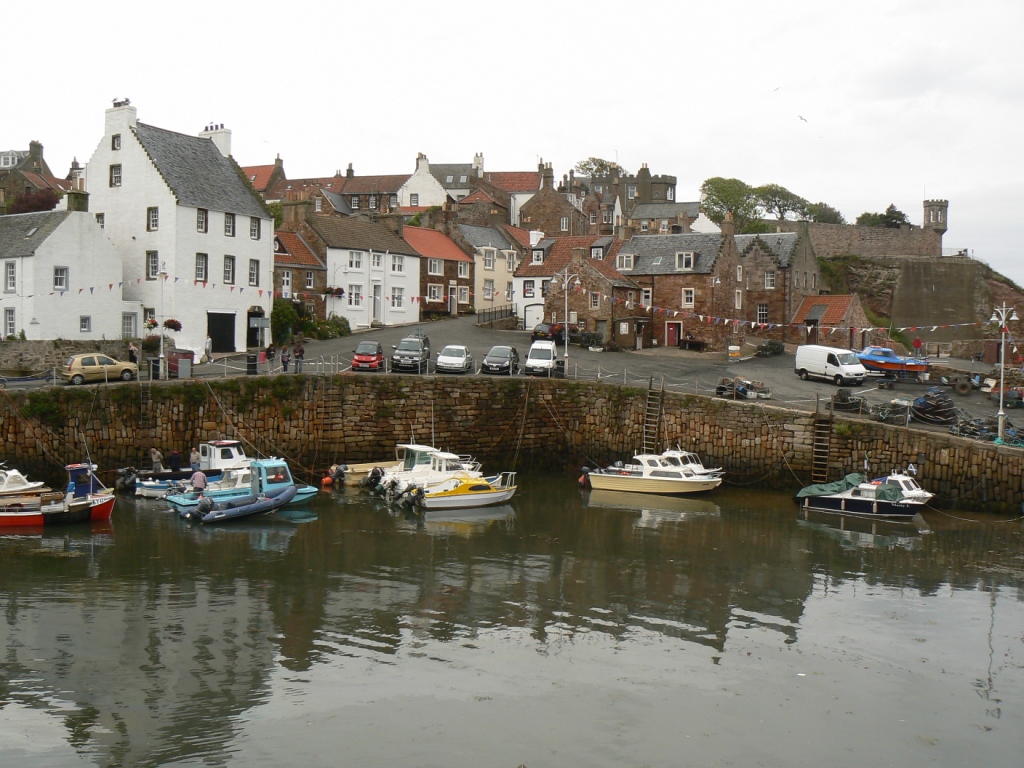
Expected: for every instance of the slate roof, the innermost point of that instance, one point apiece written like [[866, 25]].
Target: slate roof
[[456, 171], [656, 254], [197, 173], [782, 244], [374, 185], [15, 239], [514, 181], [358, 234], [433, 244], [258, 175], [296, 251], [665, 210], [338, 201], [827, 310], [485, 237]]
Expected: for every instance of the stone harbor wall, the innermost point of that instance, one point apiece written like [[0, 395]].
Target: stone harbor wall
[[517, 423]]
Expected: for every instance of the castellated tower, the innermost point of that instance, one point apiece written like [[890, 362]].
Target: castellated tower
[[935, 212]]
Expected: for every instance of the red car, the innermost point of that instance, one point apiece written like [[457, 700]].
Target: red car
[[368, 356]]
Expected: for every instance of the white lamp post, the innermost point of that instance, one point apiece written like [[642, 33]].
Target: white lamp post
[[162, 274], [564, 278], [999, 315]]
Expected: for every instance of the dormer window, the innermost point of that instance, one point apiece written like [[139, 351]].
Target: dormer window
[[684, 260], [355, 202], [624, 261], [449, 179], [538, 257], [643, 225], [462, 179], [597, 252]]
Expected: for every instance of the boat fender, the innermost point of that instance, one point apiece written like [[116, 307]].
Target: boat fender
[[584, 478], [326, 482]]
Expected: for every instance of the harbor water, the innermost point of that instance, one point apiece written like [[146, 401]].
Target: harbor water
[[565, 628]]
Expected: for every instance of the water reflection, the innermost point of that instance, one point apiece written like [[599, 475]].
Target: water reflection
[[150, 646]]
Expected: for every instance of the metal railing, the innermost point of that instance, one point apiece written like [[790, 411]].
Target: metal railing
[[491, 314]]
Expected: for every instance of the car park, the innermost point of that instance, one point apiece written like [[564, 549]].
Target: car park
[[454, 358], [412, 354], [368, 356], [92, 366], [541, 359], [501, 359], [542, 331]]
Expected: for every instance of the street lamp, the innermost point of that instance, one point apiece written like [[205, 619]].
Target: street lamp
[[563, 278], [999, 315], [162, 274]]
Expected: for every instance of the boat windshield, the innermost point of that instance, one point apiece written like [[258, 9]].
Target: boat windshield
[[849, 359], [278, 473]]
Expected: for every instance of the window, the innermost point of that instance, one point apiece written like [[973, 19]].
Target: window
[[565, 223], [202, 220], [606, 217], [202, 268], [739, 273], [510, 260], [593, 218], [355, 260], [463, 294], [254, 272], [646, 298], [814, 280], [449, 179], [377, 259], [762, 313], [644, 226], [545, 288], [318, 204], [684, 260], [393, 202], [508, 291], [435, 267], [597, 252], [488, 290], [229, 225], [624, 261], [489, 256], [128, 325], [397, 264], [254, 228], [152, 219], [286, 280], [435, 293], [152, 265], [397, 295], [663, 227], [688, 294], [538, 257], [595, 300], [355, 295], [115, 142], [739, 299], [631, 191], [464, 269], [528, 289], [372, 204], [309, 280], [769, 279], [598, 188], [60, 278], [10, 277], [101, 220], [670, 193], [354, 202], [115, 175], [9, 324], [148, 313], [229, 270], [85, 324], [462, 179], [414, 199]]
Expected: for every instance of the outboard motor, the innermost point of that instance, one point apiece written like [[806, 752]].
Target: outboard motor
[[372, 479], [204, 507], [126, 477]]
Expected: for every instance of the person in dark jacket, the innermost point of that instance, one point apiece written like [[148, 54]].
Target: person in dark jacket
[[174, 461]]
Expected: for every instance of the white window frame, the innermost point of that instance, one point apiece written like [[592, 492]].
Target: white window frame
[[309, 280], [464, 269], [10, 322], [371, 202], [593, 218], [115, 175], [202, 267], [624, 261], [490, 256], [644, 226], [85, 324], [739, 273], [670, 193], [10, 277], [286, 280], [202, 220], [376, 260], [318, 204], [128, 325], [488, 290], [152, 264], [762, 313], [397, 297], [595, 300], [739, 298], [229, 225], [606, 217], [355, 295], [435, 267], [355, 259], [115, 142], [597, 253], [685, 261], [769, 280], [435, 293], [537, 256], [414, 199], [397, 264], [528, 289], [646, 297], [631, 192], [354, 202], [229, 270], [688, 297], [463, 294], [254, 273], [565, 223], [255, 228], [60, 279], [152, 219]]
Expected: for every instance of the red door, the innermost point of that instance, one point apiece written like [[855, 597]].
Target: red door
[[672, 334]]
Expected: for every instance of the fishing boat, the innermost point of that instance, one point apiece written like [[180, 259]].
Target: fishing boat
[[271, 488], [653, 473], [13, 483], [897, 495], [464, 492], [85, 499], [885, 361], [421, 465], [215, 457]]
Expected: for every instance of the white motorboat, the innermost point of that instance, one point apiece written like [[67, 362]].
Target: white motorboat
[[678, 456], [653, 473], [423, 465], [897, 495], [13, 483], [464, 492]]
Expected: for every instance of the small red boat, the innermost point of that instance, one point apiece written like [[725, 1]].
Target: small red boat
[[85, 500]]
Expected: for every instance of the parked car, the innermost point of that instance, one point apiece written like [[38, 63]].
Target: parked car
[[541, 359], [368, 356], [91, 366], [501, 359], [542, 331], [455, 358], [555, 332], [412, 354]]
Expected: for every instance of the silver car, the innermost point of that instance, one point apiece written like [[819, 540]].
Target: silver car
[[455, 358]]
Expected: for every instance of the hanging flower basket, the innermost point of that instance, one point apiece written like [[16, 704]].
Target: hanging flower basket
[[151, 323], [172, 325]]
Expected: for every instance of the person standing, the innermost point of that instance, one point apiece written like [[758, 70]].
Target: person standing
[[209, 349], [157, 458], [174, 461], [198, 480], [300, 353], [193, 459], [285, 358], [917, 346], [133, 353]]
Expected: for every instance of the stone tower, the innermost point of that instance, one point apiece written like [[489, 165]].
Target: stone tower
[[935, 212]]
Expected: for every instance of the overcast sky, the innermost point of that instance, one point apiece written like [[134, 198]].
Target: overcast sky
[[901, 100]]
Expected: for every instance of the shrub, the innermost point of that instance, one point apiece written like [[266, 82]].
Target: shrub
[[151, 343]]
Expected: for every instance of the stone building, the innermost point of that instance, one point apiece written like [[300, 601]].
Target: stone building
[[835, 321], [300, 275], [446, 274], [554, 212], [26, 172]]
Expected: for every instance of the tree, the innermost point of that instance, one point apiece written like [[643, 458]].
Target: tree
[[36, 200], [277, 211], [283, 319], [779, 201], [595, 166], [823, 213], [893, 218], [720, 196]]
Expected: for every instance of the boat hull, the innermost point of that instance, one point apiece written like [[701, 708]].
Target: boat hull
[[861, 507], [664, 486], [466, 499], [241, 508], [189, 500], [84, 510]]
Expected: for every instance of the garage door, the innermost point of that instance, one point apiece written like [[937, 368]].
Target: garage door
[[534, 313]]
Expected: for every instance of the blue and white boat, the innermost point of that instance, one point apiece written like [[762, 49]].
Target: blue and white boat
[[269, 479], [215, 457]]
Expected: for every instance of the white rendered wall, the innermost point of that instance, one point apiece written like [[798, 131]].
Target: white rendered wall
[[367, 276], [425, 185]]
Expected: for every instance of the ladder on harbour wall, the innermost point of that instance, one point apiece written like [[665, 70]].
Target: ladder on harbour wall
[[821, 447], [331, 417], [145, 404], [652, 415]]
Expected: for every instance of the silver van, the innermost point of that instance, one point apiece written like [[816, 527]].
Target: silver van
[[840, 366]]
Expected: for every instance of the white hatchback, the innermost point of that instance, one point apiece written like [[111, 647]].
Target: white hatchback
[[455, 358]]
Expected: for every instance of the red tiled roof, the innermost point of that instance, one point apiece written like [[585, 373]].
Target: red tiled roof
[[258, 175], [514, 181], [47, 182], [374, 185], [282, 189], [836, 308], [560, 253], [521, 236], [297, 251], [433, 244], [479, 196]]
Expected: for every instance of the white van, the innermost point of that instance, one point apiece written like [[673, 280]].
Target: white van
[[838, 365], [541, 358]]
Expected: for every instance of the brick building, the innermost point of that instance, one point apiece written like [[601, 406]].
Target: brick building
[[446, 274], [299, 274], [552, 211]]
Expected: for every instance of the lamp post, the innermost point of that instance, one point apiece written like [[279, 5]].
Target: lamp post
[[162, 274], [563, 278], [999, 315]]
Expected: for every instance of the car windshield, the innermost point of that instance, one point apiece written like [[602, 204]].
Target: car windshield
[[367, 348], [542, 353], [849, 359], [453, 352], [500, 352], [411, 345]]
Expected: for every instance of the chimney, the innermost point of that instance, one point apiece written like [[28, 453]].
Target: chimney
[[77, 198], [728, 226], [294, 213], [549, 177], [578, 255], [422, 162], [120, 117], [478, 164], [350, 173], [220, 136]]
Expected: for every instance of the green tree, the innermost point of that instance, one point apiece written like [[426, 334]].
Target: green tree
[[891, 219], [823, 213], [596, 166], [779, 201], [720, 196], [283, 320], [277, 211]]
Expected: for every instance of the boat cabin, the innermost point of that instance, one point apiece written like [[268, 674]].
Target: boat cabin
[[221, 454]]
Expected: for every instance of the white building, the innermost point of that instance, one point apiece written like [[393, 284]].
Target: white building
[[196, 243], [421, 189], [62, 278]]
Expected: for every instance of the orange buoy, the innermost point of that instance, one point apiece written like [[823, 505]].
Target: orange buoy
[[326, 482]]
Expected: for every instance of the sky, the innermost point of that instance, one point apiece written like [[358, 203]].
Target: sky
[[857, 105]]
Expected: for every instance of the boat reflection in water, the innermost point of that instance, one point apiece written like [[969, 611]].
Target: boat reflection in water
[[270, 533], [460, 522], [654, 510], [854, 532]]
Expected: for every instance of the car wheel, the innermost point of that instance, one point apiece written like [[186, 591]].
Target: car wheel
[[802, 374], [838, 380], [78, 379]]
